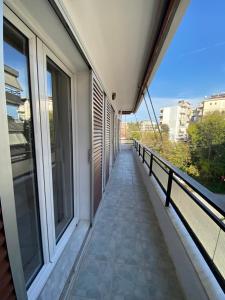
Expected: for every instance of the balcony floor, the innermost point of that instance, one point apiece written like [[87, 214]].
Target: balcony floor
[[126, 257]]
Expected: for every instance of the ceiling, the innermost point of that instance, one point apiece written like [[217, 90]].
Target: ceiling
[[118, 36]]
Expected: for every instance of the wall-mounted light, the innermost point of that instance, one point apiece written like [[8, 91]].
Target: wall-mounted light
[[113, 96]]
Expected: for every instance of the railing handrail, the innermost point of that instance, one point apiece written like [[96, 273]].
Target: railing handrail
[[192, 183]]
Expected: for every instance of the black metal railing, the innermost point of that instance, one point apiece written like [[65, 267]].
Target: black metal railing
[[201, 214]]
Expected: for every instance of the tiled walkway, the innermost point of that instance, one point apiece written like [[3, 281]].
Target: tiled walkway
[[126, 257]]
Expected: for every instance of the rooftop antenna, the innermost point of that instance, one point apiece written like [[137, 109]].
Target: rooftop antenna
[[150, 99], [156, 138]]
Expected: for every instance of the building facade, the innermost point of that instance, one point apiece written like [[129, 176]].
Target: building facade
[[214, 103], [177, 118], [211, 104], [146, 125]]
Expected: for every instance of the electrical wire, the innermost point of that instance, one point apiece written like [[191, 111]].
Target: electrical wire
[[150, 99], [156, 138], [138, 125]]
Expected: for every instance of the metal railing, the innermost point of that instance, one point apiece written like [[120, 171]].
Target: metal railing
[[203, 217]]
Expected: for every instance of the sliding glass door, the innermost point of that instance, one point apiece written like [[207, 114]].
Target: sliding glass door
[[22, 148], [60, 127], [38, 104]]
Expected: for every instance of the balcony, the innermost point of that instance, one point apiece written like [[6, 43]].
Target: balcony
[[126, 256], [132, 252]]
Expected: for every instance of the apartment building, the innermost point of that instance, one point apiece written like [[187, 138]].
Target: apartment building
[[197, 112], [68, 70], [146, 125], [177, 118], [214, 103]]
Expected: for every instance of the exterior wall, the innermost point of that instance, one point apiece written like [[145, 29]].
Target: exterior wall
[[123, 130], [214, 104], [170, 117], [197, 113], [177, 118], [84, 140]]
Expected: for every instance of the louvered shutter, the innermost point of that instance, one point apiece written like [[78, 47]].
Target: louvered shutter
[[6, 283], [97, 141], [107, 139], [112, 134], [115, 136]]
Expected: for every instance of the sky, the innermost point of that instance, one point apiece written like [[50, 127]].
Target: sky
[[194, 64]]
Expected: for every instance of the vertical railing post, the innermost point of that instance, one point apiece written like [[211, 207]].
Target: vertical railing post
[[143, 158], [150, 167], [139, 150], [169, 186]]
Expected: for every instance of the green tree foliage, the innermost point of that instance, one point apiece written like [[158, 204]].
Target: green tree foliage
[[133, 131], [202, 157], [207, 147]]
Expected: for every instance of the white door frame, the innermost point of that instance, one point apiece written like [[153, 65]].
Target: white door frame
[[43, 53]]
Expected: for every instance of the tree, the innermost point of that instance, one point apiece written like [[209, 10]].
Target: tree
[[165, 129], [207, 146], [133, 131]]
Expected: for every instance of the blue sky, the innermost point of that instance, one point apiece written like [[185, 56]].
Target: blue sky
[[194, 64]]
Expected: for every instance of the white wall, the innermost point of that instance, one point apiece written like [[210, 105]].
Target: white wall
[[171, 118], [84, 140]]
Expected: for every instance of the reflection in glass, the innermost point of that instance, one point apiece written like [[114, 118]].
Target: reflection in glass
[[21, 137], [59, 111]]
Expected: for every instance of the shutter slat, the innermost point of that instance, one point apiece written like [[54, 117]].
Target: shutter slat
[[97, 140], [107, 139]]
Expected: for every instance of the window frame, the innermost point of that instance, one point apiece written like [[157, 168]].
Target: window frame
[[43, 52]]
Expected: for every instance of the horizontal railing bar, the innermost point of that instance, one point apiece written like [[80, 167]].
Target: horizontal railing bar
[[146, 163], [158, 163], [202, 206]]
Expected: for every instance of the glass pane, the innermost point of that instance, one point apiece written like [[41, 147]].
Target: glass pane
[[60, 124], [160, 173], [219, 258], [203, 226], [21, 137]]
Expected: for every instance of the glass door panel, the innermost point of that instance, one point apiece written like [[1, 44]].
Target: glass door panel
[[60, 127], [22, 148]]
